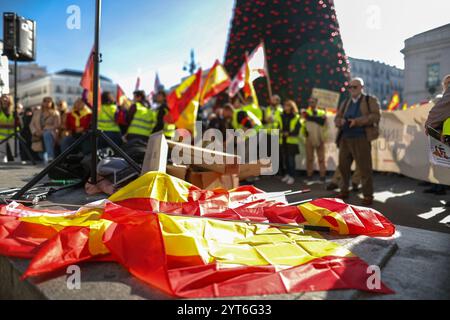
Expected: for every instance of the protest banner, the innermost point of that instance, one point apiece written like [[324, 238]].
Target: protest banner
[[403, 147]]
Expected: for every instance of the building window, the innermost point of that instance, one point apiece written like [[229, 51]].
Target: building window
[[433, 75], [58, 89]]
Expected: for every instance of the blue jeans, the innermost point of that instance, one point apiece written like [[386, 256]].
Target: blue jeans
[[49, 145]]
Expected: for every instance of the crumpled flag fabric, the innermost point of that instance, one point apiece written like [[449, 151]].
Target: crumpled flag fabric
[[197, 257], [191, 257]]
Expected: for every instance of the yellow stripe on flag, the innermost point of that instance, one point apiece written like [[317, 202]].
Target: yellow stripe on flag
[[155, 185], [231, 243], [90, 219], [314, 215]]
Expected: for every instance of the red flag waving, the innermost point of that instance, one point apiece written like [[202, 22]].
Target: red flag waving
[[87, 82], [120, 95]]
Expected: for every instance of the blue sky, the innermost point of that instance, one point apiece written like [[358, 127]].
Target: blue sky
[[140, 37]]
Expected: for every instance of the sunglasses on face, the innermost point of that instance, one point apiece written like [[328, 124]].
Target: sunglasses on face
[[353, 87]]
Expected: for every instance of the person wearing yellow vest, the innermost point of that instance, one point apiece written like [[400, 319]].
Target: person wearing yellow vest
[[6, 126], [78, 122], [108, 120], [163, 109], [289, 124], [272, 114], [141, 118], [314, 132], [239, 118], [439, 119], [251, 106], [446, 132]]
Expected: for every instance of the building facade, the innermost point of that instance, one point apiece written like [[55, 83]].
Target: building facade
[[62, 85], [427, 61], [381, 80], [26, 71]]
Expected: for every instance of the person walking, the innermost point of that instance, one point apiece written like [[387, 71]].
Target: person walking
[[357, 121], [289, 139]]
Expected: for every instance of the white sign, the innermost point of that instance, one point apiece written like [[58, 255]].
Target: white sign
[[4, 75], [439, 153], [326, 98]]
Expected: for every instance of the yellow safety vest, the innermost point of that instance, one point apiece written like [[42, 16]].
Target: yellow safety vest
[[275, 115], [257, 124], [106, 118], [6, 121], [292, 125], [255, 110], [446, 128], [169, 130], [143, 122], [309, 112]]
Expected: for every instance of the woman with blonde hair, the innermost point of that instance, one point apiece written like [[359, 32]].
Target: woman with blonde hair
[[289, 124], [44, 127]]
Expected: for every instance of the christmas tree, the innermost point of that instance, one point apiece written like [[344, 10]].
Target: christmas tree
[[303, 46]]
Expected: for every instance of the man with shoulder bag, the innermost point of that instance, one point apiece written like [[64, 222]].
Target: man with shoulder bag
[[357, 121]]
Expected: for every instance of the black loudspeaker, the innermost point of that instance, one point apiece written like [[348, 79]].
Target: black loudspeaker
[[19, 36]]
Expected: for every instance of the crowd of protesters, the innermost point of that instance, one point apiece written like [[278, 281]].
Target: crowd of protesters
[[53, 128]]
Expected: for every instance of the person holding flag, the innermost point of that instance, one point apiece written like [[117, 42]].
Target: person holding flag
[[141, 118]]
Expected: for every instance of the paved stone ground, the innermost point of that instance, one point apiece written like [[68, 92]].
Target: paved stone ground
[[414, 264]]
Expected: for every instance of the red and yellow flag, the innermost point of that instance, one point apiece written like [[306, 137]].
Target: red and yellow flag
[[194, 254], [216, 82], [120, 96], [395, 102], [183, 103], [87, 82]]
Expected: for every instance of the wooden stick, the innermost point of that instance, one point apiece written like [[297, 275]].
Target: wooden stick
[[269, 85]]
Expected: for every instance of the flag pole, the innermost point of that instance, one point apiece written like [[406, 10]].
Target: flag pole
[[269, 86]]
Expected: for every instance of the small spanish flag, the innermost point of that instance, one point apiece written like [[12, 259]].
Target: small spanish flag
[[216, 82], [395, 102]]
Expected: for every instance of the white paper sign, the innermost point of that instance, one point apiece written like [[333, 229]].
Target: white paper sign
[[439, 153]]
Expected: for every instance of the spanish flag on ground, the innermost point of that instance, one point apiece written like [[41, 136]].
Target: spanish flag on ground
[[194, 254]]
